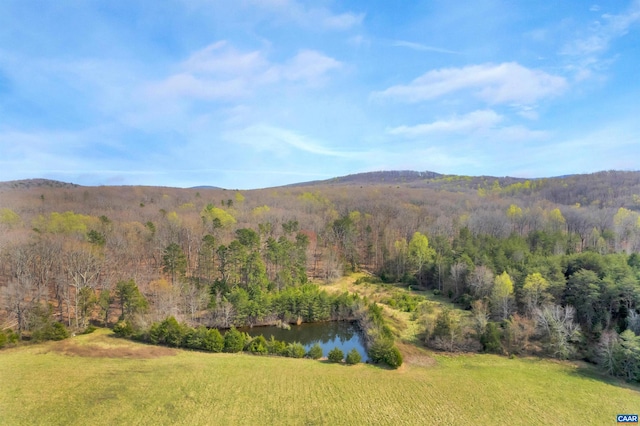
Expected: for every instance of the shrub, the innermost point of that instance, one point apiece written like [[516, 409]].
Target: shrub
[[315, 352], [353, 357], [233, 340], [44, 327], [205, 339], [195, 338], [258, 345], [393, 357], [336, 355], [58, 331], [154, 331], [276, 347], [295, 350], [52, 331], [378, 349], [90, 329], [368, 280], [213, 341], [8, 337], [383, 350], [173, 333], [404, 302]]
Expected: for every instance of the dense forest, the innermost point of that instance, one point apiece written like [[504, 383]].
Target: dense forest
[[544, 266]]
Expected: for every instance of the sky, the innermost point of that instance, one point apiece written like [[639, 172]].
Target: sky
[[259, 93]]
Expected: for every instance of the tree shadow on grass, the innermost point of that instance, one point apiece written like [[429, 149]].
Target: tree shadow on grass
[[589, 371]]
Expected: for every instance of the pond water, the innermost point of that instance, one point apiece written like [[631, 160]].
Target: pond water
[[342, 334]]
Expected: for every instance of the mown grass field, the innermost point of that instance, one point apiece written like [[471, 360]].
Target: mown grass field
[[98, 379]]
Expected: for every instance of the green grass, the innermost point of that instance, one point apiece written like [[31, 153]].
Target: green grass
[[58, 383]]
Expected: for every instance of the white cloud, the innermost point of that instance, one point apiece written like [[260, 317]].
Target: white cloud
[[482, 124], [506, 83], [220, 72], [473, 121], [308, 65]]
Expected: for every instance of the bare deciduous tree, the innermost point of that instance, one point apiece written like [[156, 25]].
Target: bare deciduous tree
[[556, 325]]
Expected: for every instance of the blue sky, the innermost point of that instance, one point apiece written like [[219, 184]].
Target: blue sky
[[257, 93]]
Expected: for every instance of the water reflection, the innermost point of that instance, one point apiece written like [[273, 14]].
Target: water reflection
[[341, 334]]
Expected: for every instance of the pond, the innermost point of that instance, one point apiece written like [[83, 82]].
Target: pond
[[342, 334]]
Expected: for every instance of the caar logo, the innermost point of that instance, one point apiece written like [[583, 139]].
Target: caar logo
[[627, 418]]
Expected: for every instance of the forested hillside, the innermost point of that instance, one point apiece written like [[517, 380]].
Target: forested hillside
[[550, 266]]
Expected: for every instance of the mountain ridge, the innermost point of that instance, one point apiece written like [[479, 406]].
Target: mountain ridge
[[410, 178]]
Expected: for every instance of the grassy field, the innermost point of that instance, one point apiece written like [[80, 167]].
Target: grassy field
[[98, 379]]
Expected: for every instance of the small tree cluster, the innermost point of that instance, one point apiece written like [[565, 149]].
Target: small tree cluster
[[451, 333], [44, 327], [172, 333], [619, 355], [380, 344]]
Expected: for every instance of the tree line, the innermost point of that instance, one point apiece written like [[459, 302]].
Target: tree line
[[230, 258]]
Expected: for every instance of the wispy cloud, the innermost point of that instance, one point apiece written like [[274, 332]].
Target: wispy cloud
[[221, 72], [473, 121], [222, 58], [422, 47], [484, 124], [602, 33], [587, 48], [279, 140], [506, 83], [175, 94], [307, 66]]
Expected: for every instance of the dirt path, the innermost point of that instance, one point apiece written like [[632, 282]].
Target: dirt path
[[101, 345]]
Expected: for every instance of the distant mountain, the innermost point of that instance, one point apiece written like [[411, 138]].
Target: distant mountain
[[36, 183], [604, 189], [374, 178], [611, 189], [205, 187], [414, 179]]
